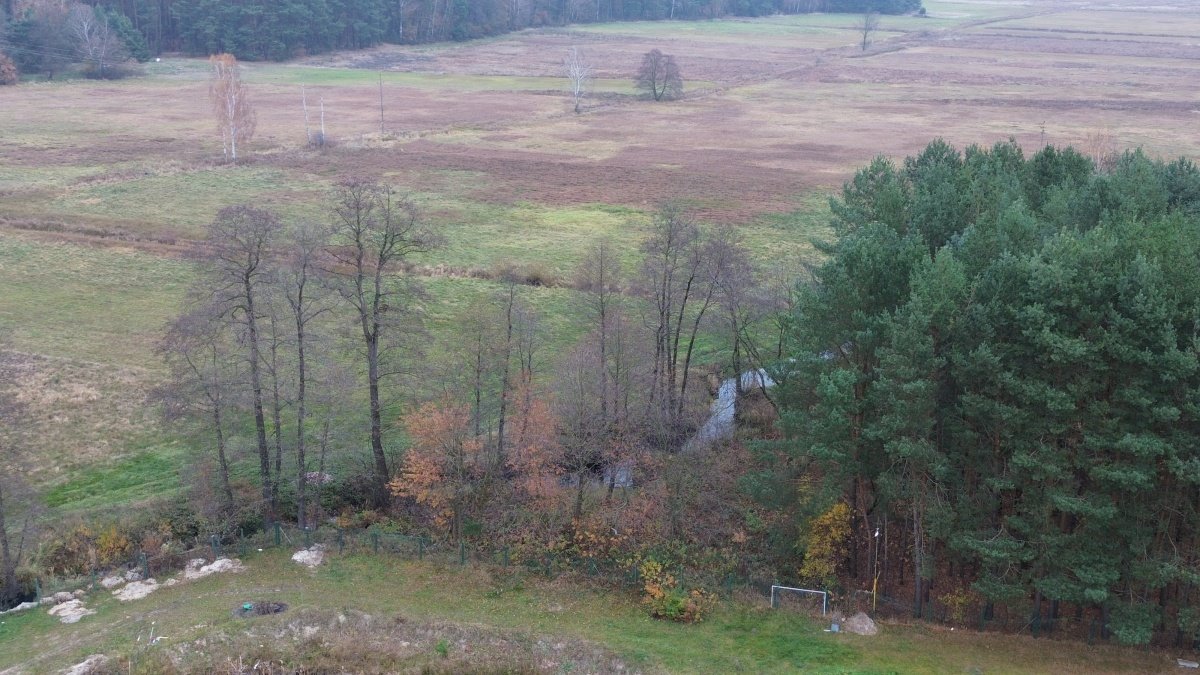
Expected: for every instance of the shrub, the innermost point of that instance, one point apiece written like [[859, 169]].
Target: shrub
[[825, 548], [957, 602], [70, 554], [666, 600], [8, 70], [113, 546]]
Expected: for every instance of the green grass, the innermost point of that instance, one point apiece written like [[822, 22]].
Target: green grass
[[113, 303], [739, 636]]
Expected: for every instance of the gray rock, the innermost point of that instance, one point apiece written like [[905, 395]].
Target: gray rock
[[860, 624], [92, 664]]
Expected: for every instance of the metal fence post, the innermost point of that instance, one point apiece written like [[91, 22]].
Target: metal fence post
[[341, 542], [506, 557], [307, 537], [375, 542], [462, 553], [420, 549], [278, 534], [38, 586]]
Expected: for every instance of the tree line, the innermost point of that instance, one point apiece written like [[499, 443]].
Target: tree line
[[282, 29], [998, 366], [309, 341]]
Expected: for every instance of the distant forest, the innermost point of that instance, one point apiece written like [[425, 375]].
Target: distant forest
[[281, 29]]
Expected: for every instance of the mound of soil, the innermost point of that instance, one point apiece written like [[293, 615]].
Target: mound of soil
[[260, 609]]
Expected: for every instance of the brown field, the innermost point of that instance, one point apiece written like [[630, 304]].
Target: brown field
[[784, 107]]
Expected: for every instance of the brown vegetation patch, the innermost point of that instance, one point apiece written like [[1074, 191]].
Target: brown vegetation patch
[[323, 641]]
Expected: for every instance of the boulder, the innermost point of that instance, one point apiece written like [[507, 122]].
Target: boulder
[[196, 569], [71, 611], [860, 624], [310, 557], [133, 575], [60, 597], [23, 607], [136, 590], [95, 663], [112, 582]]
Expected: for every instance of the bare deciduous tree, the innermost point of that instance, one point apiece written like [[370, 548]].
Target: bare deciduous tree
[[680, 287], [231, 105], [378, 231], [580, 75], [202, 380], [15, 498], [659, 76], [239, 245], [867, 25], [297, 281], [599, 277], [96, 42]]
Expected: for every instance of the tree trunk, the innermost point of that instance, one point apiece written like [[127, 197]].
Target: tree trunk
[[504, 384], [260, 422], [8, 571], [918, 561], [381, 467], [222, 459], [276, 416], [301, 413]]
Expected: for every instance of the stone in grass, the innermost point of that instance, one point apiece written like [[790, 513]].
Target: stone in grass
[[112, 582], [96, 663], [136, 590], [60, 597], [310, 557], [71, 611], [860, 624], [196, 569]]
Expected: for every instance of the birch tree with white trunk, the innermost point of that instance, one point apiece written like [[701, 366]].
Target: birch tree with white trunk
[[231, 105], [580, 75]]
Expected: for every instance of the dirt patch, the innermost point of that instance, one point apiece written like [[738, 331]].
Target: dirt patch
[[352, 641], [260, 609]]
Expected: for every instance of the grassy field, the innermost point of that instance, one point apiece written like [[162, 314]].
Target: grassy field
[[740, 636]]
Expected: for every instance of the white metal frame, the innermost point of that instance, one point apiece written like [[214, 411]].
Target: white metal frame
[[824, 596]]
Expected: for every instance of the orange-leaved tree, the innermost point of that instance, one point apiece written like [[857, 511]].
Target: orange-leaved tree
[[535, 456], [439, 465]]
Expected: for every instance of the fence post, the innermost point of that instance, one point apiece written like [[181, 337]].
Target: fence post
[[506, 557], [341, 542], [37, 583], [375, 542], [307, 538], [241, 543], [145, 562], [420, 549], [93, 578], [278, 534]]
